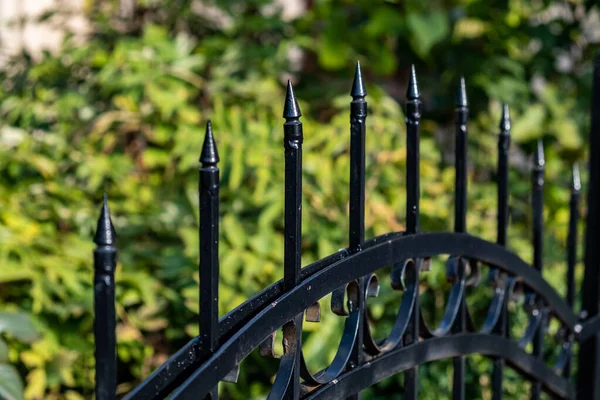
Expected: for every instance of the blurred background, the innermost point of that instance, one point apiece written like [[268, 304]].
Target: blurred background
[[113, 96]]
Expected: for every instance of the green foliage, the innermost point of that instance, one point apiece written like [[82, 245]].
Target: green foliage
[[125, 114], [19, 327]]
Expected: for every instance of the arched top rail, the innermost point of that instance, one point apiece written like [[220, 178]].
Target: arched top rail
[[324, 281]]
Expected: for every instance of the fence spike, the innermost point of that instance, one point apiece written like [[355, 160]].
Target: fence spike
[[576, 179], [539, 159], [413, 118], [291, 108], [358, 118], [503, 150], [460, 160], [209, 154], [358, 87], [412, 91], [105, 264], [293, 138], [105, 231], [208, 192], [502, 326], [588, 370], [572, 255], [460, 224], [537, 200], [413, 138], [358, 115], [461, 96], [505, 122]]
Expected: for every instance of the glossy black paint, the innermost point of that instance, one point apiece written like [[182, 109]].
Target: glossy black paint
[[502, 328], [413, 189], [460, 225], [105, 264], [358, 121], [350, 276], [292, 143], [209, 246], [572, 258], [589, 350], [537, 203]]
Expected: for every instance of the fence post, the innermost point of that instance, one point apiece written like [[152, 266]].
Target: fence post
[[572, 258], [460, 224], [588, 383], [413, 118], [537, 203], [105, 263], [292, 142], [495, 274], [358, 116], [209, 246]]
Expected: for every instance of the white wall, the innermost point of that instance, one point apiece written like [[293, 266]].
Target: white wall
[[36, 37], [19, 30]]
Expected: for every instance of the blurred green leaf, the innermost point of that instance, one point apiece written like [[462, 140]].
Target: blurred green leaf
[[427, 30], [11, 386]]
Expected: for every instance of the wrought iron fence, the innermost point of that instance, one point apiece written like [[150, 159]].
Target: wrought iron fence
[[348, 275]]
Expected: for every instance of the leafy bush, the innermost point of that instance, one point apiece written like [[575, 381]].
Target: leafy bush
[[125, 114]]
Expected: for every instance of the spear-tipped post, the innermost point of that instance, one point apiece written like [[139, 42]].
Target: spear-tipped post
[[293, 138], [502, 327], [588, 384], [537, 200], [209, 242], [572, 234], [460, 222], [503, 150], [105, 264], [413, 119], [292, 141], [460, 163], [413, 133], [358, 116], [572, 238]]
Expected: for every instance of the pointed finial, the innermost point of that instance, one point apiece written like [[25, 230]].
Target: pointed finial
[[576, 184], [539, 154], [412, 91], [505, 119], [105, 231], [461, 96], [209, 155], [358, 87], [291, 108]]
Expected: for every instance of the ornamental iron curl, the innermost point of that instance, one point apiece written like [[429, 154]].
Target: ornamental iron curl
[[350, 277]]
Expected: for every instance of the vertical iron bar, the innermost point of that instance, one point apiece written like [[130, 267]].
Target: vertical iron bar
[[572, 235], [537, 200], [209, 246], [460, 222], [413, 118], [502, 326], [105, 264], [589, 350], [572, 249], [413, 133], [460, 162], [503, 150], [358, 117], [293, 138]]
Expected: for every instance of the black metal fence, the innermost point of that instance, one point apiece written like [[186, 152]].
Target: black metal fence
[[348, 275]]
